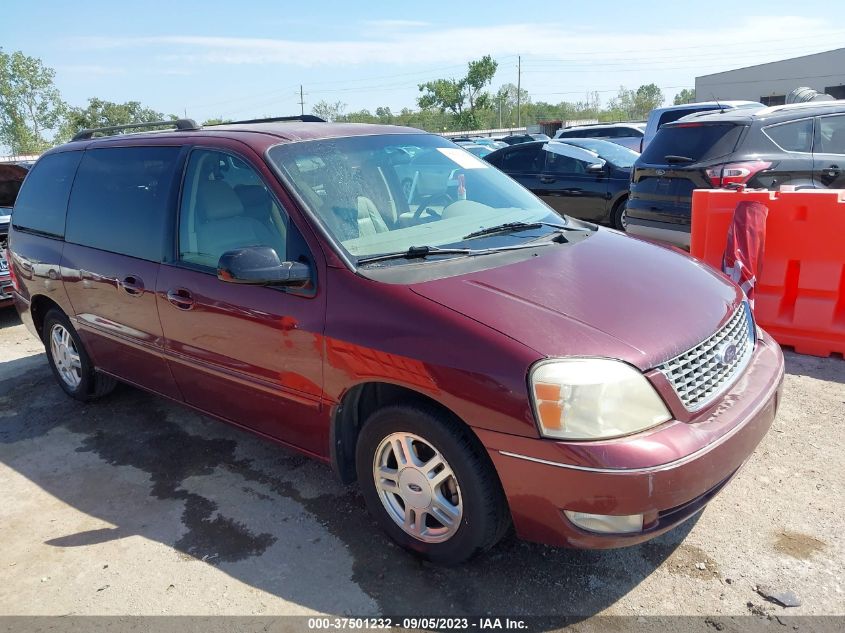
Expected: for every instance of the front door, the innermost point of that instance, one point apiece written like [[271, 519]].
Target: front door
[[829, 152], [249, 354], [568, 187]]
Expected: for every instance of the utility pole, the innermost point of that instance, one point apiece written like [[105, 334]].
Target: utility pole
[[518, 90], [500, 112], [301, 100]]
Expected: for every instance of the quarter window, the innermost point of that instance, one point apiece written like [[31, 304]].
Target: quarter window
[[225, 206], [42, 201], [832, 135], [795, 136], [120, 200]]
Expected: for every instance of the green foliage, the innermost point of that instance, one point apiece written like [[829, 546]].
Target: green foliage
[[687, 95], [329, 111], [636, 104], [100, 113], [30, 104], [463, 98], [216, 121]]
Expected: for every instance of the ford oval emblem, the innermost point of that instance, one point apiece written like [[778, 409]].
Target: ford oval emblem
[[661, 172], [726, 354]]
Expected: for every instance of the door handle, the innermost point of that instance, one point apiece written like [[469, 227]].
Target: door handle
[[833, 171], [131, 285], [548, 179], [181, 298]]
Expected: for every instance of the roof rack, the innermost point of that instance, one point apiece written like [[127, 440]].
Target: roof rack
[[179, 124], [305, 118]]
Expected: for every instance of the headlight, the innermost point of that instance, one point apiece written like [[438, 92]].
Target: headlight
[[593, 398]]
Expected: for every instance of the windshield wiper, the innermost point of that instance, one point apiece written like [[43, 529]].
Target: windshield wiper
[[673, 158], [512, 226], [421, 252], [416, 252]]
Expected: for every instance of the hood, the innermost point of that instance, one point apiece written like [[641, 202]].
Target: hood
[[609, 295]]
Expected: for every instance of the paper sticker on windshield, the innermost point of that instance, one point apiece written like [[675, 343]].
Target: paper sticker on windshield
[[462, 158]]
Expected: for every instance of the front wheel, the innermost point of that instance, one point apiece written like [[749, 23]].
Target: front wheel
[[429, 485]]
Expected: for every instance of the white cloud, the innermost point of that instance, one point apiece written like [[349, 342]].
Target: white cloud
[[407, 42]]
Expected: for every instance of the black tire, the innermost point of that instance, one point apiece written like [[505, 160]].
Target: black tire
[[486, 517], [93, 384], [616, 215]]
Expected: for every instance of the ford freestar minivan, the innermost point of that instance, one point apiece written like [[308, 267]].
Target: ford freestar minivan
[[470, 357]]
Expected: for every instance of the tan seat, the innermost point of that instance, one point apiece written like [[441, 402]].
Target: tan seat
[[370, 221]]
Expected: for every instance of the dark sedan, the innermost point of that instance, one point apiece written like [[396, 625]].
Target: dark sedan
[[584, 178]]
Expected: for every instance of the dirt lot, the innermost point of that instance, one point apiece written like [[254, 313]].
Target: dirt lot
[[137, 506]]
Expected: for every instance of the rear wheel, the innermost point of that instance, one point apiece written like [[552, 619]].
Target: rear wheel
[[619, 215], [70, 362], [429, 485]]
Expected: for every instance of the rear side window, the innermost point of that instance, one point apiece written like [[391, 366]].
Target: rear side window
[[11, 179], [696, 141], [42, 201], [795, 136], [831, 135], [120, 200]]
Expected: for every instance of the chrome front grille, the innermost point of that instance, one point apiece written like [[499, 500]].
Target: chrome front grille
[[704, 372]]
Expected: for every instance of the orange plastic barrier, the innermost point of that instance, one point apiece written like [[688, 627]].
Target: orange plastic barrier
[[800, 292]]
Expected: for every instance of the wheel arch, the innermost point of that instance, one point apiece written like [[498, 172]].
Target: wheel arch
[[358, 403], [39, 306]]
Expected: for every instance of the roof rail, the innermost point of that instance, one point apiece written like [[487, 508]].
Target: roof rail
[[305, 118], [179, 124]]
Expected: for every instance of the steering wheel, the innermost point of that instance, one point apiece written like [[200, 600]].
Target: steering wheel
[[429, 199]]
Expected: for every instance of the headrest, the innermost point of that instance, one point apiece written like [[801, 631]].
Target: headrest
[[217, 201]]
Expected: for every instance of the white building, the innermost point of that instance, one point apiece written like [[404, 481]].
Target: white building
[[770, 83]]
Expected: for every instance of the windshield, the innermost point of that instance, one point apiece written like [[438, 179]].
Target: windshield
[[374, 201], [692, 141], [611, 152]]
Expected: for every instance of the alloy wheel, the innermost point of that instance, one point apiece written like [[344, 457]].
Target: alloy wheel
[[417, 487], [65, 356]]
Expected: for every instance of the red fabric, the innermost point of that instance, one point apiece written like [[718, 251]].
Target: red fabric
[[744, 250]]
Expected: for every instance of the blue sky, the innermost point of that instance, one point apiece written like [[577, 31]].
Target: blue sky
[[245, 58]]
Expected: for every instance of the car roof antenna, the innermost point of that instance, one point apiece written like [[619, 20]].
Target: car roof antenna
[[721, 107]]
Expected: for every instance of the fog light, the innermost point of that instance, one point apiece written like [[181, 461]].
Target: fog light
[[606, 523]]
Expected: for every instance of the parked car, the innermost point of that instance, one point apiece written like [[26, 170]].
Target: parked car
[[479, 150], [11, 177], [661, 116], [514, 139], [471, 360], [584, 178], [489, 142], [801, 144], [626, 134]]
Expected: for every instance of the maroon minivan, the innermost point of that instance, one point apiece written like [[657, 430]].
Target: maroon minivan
[[470, 357]]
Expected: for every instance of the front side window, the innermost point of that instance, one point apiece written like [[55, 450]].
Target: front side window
[[795, 136], [526, 161], [832, 135], [226, 206], [42, 202], [120, 200], [372, 204]]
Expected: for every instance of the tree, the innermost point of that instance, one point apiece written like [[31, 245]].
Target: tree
[[687, 95], [100, 113], [462, 98], [635, 104], [30, 104], [216, 121], [328, 111]]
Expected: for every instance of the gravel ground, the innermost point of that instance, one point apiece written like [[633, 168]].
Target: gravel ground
[[135, 505]]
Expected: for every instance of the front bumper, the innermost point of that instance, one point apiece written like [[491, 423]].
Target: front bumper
[[6, 289], [690, 463]]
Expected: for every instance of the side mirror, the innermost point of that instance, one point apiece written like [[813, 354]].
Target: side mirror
[[261, 265], [596, 168]]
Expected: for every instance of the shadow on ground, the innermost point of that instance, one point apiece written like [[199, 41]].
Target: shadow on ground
[[814, 366], [9, 317], [273, 519]]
